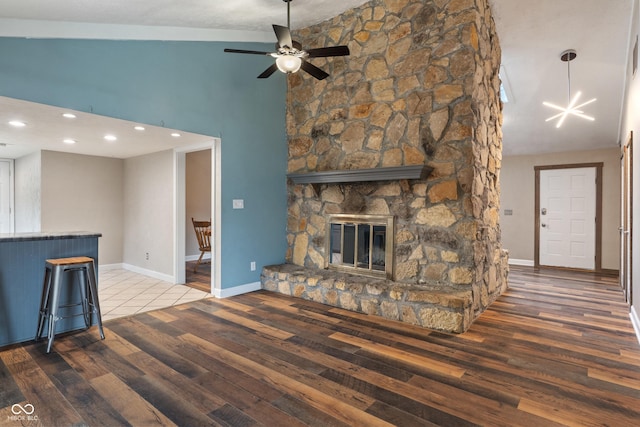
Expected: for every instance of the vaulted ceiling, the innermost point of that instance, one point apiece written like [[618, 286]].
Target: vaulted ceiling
[[532, 34]]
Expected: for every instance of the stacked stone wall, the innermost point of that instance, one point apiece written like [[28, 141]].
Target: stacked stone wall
[[420, 87]]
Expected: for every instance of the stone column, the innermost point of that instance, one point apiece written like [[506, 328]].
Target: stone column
[[421, 86]]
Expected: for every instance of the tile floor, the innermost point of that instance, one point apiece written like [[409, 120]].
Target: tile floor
[[123, 293]]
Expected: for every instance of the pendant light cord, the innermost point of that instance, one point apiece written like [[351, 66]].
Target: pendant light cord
[[569, 77]]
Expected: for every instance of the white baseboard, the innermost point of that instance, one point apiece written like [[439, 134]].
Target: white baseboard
[[160, 276], [109, 267], [218, 293], [635, 321], [522, 262], [206, 256], [237, 290]]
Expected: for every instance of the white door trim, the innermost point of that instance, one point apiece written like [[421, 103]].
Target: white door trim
[[626, 219], [12, 218], [598, 236], [179, 255]]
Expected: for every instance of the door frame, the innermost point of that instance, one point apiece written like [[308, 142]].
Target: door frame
[[12, 201], [626, 219], [179, 251], [598, 183]]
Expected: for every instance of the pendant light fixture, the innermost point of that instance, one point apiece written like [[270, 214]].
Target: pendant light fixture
[[571, 109]]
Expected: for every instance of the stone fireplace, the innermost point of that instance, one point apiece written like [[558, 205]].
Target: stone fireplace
[[405, 128]]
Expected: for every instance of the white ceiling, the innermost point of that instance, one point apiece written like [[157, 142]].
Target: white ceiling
[[532, 35], [248, 15], [46, 129]]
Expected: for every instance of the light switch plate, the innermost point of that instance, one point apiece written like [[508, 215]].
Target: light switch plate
[[238, 203]]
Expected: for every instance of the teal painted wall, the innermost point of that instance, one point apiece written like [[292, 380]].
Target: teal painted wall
[[190, 86]]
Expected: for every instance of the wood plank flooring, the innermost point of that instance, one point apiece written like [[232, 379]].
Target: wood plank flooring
[[557, 349], [200, 278]]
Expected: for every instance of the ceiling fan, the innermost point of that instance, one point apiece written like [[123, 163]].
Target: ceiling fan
[[289, 55]]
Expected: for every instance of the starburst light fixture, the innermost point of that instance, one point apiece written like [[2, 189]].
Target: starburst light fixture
[[573, 108]]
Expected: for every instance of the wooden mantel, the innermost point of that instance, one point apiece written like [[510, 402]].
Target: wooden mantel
[[361, 175]]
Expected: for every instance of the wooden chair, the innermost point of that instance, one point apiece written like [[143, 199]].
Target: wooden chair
[[203, 234]]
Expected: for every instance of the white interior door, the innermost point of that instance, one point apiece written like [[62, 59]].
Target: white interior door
[[568, 218], [6, 197]]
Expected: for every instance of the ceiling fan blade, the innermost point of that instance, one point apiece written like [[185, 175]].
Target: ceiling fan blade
[[266, 73], [323, 52], [314, 71], [253, 52], [284, 35]]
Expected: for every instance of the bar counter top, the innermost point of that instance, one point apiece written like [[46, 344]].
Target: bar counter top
[[47, 235]]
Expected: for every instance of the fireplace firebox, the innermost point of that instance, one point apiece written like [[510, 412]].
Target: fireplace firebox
[[360, 244]]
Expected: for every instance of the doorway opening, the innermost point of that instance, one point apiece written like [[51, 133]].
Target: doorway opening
[[568, 216], [198, 213], [192, 202]]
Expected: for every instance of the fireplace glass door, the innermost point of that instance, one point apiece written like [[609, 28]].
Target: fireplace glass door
[[359, 244]]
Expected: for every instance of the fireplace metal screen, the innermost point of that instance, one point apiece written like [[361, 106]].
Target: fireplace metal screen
[[360, 244]]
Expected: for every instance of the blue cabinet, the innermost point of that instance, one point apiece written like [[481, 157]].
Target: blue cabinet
[[22, 260]]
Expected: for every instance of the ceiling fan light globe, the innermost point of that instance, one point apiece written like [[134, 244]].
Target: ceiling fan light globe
[[288, 63]]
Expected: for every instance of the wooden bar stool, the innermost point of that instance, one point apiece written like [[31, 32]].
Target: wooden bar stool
[[55, 269]]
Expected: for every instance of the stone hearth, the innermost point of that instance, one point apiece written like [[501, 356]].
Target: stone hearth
[[420, 87], [447, 308]]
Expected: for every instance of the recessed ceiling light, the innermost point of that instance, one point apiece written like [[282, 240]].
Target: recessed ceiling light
[[69, 141], [17, 123], [69, 115], [139, 128], [176, 135], [110, 137]]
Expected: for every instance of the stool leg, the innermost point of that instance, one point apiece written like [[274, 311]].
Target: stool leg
[[54, 303], [44, 302], [83, 281], [93, 293]]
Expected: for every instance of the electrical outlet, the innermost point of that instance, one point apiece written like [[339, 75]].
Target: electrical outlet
[[253, 266], [146, 256]]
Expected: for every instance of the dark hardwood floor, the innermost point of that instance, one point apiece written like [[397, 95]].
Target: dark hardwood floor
[[557, 349], [200, 277]]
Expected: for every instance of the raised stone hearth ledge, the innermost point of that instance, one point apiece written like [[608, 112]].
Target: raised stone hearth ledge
[[444, 308]]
